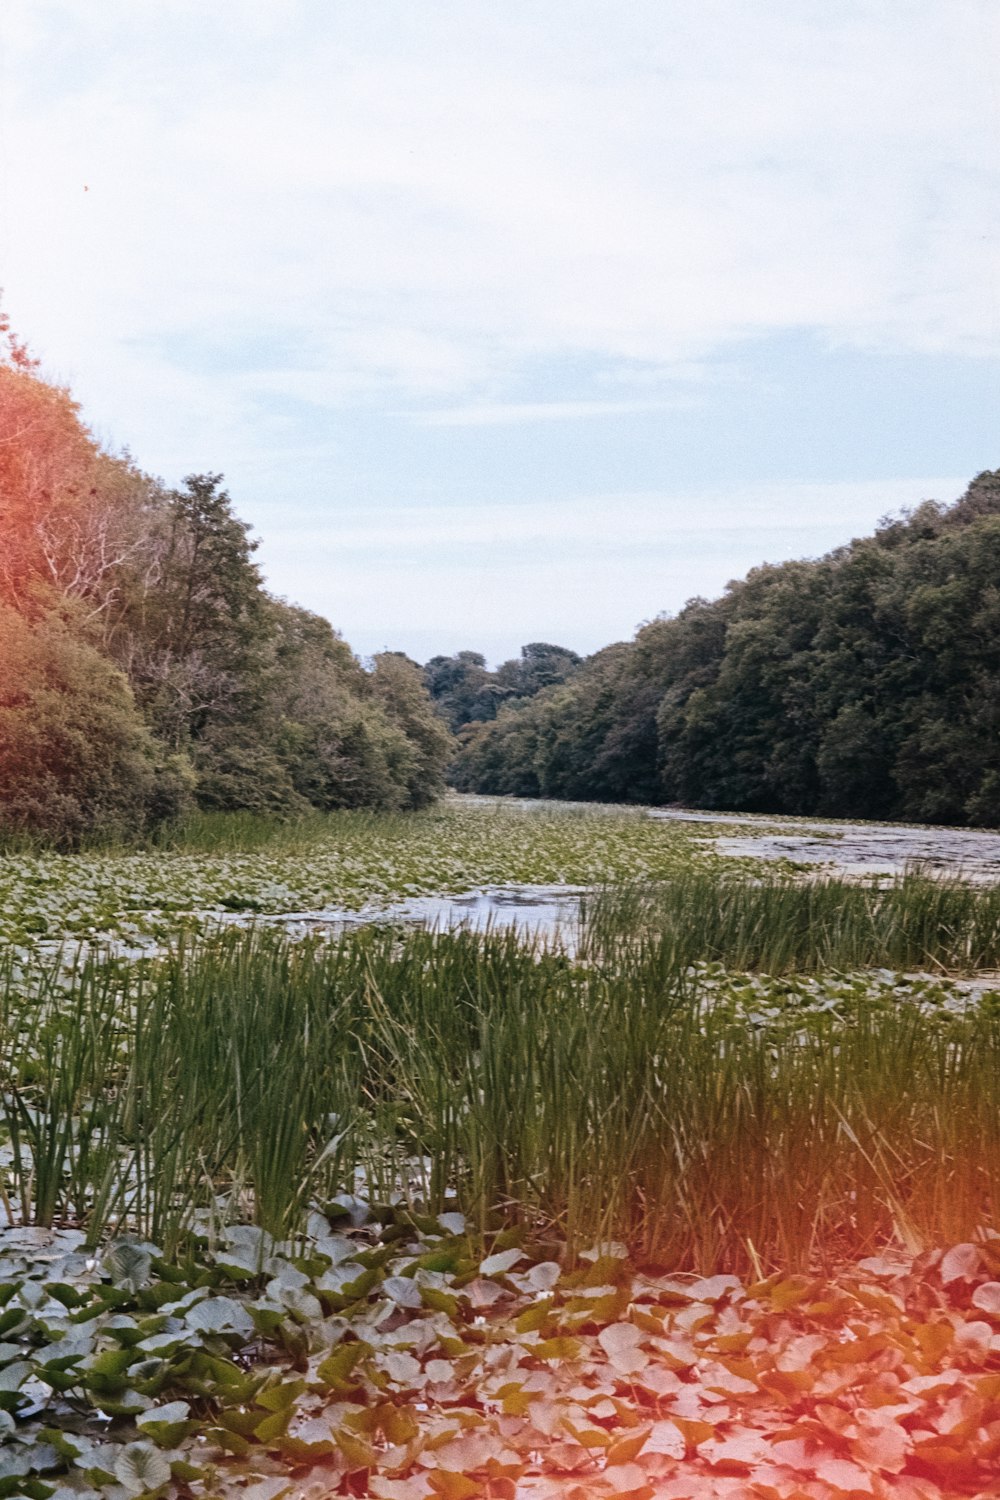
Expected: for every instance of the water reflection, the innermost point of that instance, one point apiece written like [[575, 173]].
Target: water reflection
[[548, 914]]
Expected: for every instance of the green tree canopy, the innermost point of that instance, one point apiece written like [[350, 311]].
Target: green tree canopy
[[862, 684]]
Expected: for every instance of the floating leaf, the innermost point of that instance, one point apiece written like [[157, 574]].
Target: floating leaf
[[335, 1371], [961, 1262], [987, 1298], [495, 1265], [620, 1343], [403, 1291], [271, 1488], [166, 1425], [452, 1223], [141, 1467], [129, 1264], [13, 1376], [219, 1315]]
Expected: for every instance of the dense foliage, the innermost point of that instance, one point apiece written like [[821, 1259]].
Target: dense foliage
[[142, 662], [465, 691], [862, 684]]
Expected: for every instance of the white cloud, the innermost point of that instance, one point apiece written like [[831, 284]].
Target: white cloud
[[436, 198], [622, 521], [227, 225], [500, 414]]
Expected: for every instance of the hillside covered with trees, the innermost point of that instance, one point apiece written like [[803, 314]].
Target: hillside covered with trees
[[861, 684], [145, 668]]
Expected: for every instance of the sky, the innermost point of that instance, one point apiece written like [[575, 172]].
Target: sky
[[515, 322]]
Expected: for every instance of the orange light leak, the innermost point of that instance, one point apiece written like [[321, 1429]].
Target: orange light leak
[[883, 1381], [47, 464]]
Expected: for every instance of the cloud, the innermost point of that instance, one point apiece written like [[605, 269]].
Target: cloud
[[433, 205], [500, 414], [622, 521], [352, 254]]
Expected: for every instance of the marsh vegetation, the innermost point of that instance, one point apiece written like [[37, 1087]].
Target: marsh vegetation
[[283, 1202]]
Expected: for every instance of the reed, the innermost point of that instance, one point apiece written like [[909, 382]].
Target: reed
[[624, 1097], [777, 922]]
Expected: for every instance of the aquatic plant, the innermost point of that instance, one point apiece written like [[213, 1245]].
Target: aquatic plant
[[705, 1120]]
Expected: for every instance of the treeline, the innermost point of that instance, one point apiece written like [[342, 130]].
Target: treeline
[[862, 684], [465, 691], [144, 667]]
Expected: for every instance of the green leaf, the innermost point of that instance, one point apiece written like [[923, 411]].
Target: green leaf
[[128, 1264], [558, 1348], [141, 1468], [168, 1424], [273, 1425], [66, 1444], [184, 1472], [335, 1371], [219, 1315], [69, 1296], [266, 1317], [37, 1489], [123, 1329], [124, 1405], [303, 1306], [281, 1395], [439, 1301], [221, 1437], [105, 1371], [237, 1419]]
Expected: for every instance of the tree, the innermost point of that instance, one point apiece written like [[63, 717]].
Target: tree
[[541, 665], [195, 639], [76, 760], [864, 683], [101, 567], [398, 688]]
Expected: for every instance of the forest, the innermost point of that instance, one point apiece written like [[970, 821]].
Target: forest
[[145, 669], [862, 684]]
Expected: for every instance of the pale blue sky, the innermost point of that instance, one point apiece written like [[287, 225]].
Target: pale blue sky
[[515, 322]]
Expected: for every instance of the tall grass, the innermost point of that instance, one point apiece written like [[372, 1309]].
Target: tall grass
[[252, 1075], [780, 923], [249, 832]]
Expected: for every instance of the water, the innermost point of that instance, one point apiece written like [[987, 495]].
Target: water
[[549, 914], [855, 848]]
